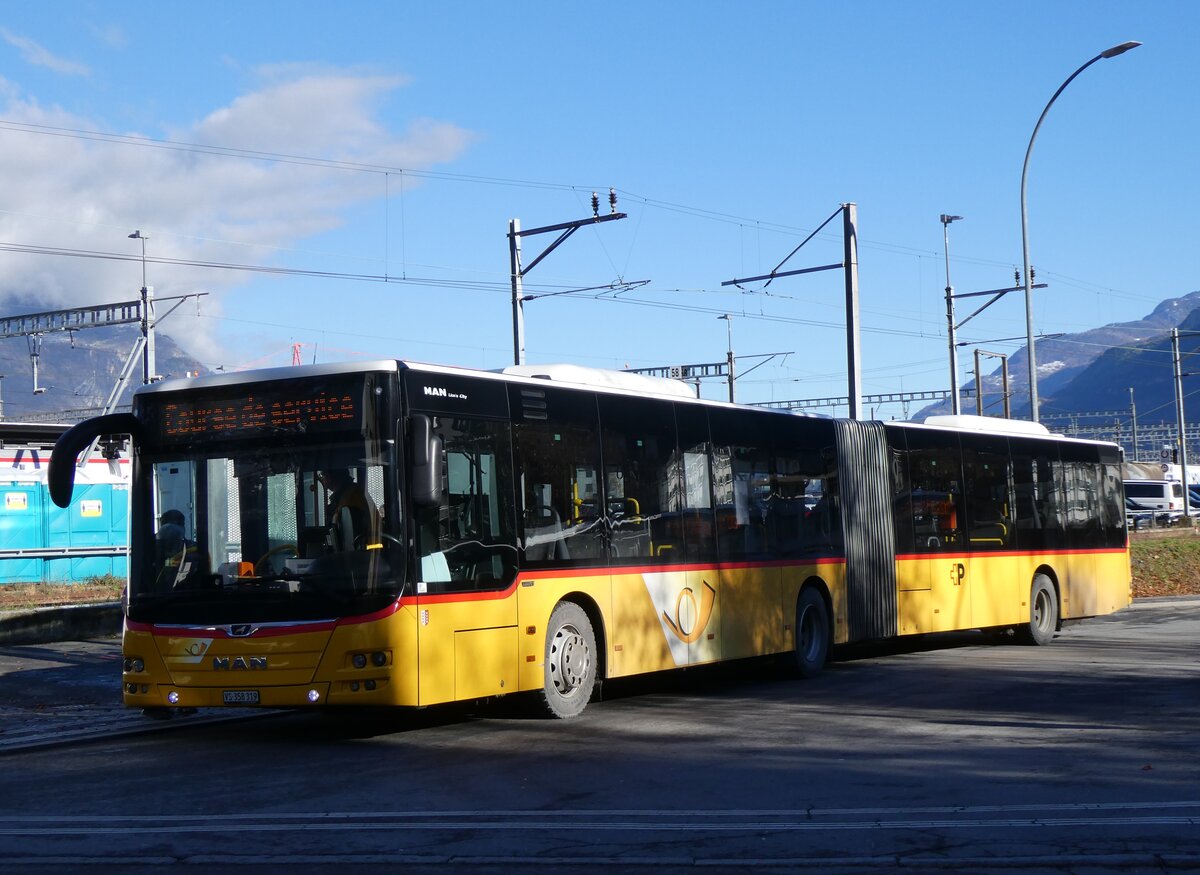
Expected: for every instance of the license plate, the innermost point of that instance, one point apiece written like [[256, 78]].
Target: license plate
[[240, 697]]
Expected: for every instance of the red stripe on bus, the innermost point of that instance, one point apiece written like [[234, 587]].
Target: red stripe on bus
[[984, 554], [608, 571]]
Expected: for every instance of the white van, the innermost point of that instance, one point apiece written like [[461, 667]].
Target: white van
[[1156, 494]]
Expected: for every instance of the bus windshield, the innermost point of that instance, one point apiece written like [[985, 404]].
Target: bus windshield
[[264, 501], [264, 532]]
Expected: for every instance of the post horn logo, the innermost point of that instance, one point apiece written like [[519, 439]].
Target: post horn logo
[[689, 623]]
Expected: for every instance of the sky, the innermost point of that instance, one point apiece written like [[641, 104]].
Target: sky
[[338, 179]]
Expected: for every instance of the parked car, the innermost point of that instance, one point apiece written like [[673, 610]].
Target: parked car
[[1141, 516], [1194, 496]]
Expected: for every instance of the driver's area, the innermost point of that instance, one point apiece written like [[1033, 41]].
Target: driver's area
[[305, 526]]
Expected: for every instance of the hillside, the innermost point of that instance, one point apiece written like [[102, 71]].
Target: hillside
[[1104, 384], [78, 369], [1067, 382]]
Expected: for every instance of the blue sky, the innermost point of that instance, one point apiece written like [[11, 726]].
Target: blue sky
[[414, 132]]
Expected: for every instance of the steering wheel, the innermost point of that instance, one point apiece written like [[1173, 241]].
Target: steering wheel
[[265, 564]]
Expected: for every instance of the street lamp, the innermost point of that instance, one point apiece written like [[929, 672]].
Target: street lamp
[[147, 318], [1033, 394], [729, 353], [954, 403]]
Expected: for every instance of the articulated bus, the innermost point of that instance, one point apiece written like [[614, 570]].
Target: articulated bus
[[391, 533]]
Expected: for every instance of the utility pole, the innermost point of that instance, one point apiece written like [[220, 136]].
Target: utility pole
[[853, 350], [518, 273], [955, 407], [996, 295], [1177, 362], [1133, 411], [979, 381], [849, 263]]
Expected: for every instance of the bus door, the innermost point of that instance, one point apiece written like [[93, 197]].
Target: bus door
[[560, 514], [991, 529], [467, 557], [699, 606], [659, 517], [1082, 487], [940, 549], [750, 508]]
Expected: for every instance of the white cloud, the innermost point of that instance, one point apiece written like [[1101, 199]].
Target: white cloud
[[75, 192], [110, 35], [34, 53]]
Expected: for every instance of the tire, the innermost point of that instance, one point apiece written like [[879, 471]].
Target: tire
[[812, 633], [1043, 612], [570, 665]]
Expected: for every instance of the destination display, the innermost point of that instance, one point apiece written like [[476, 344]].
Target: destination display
[[262, 409]]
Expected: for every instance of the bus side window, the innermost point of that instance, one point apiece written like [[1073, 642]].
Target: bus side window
[[936, 477], [742, 484], [558, 490], [986, 471], [696, 514], [902, 508], [640, 449], [468, 542]]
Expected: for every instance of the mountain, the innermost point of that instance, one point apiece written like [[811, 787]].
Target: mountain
[[78, 370], [1066, 382], [1105, 383]]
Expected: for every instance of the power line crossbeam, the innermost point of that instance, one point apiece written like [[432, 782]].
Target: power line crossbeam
[[121, 313], [843, 401]]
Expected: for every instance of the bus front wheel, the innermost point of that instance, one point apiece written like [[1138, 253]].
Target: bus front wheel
[[570, 666], [1043, 612], [812, 633]]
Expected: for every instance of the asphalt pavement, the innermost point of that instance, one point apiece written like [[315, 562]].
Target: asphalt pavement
[[60, 679]]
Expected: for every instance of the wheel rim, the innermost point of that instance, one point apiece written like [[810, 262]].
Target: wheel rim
[[810, 635], [1041, 610], [570, 660]]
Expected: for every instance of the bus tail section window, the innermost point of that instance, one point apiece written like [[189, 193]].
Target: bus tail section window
[[1039, 515]]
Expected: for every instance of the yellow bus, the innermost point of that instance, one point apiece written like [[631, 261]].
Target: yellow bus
[[392, 533]]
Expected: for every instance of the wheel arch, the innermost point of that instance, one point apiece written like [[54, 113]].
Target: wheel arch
[[1049, 573], [822, 588], [595, 616]]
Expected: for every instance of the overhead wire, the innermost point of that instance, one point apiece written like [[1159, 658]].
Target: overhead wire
[[369, 167]]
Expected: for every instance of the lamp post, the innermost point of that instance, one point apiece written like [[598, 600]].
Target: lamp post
[[729, 353], [147, 317], [954, 402], [1033, 394]]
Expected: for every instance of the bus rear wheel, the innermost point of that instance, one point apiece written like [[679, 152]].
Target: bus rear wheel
[[570, 665], [812, 633], [1043, 612]]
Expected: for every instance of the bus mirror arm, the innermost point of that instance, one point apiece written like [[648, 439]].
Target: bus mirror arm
[[60, 474], [427, 463]]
